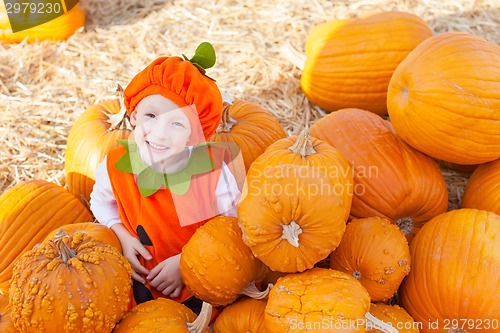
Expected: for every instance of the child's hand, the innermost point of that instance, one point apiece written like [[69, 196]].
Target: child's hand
[[132, 248], [166, 277]]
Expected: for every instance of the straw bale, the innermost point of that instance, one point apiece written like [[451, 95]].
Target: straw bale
[[45, 86]]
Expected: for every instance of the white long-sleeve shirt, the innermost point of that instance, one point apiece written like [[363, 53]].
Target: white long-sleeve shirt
[[105, 209]]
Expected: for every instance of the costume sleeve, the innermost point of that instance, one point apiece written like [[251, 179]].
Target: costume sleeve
[[102, 200], [227, 192]]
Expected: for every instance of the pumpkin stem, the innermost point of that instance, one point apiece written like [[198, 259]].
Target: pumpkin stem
[[405, 224], [303, 145], [226, 122], [252, 291], [373, 322], [65, 252], [120, 120], [201, 322], [291, 233], [357, 274], [294, 55]]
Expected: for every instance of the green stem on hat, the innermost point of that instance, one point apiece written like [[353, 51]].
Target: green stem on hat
[[204, 57]]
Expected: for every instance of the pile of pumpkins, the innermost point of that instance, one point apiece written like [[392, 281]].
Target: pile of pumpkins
[[344, 227]]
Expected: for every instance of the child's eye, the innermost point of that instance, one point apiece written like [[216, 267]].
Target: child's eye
[[176, 123], [150, 115]]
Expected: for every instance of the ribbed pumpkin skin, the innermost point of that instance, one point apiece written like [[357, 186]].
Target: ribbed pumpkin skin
[[444, 98], [482, 190], [89, 140], [29, 211], [161, 315], [72, 285], [376, 252], [215, 264], [349, 62], [454, 271], [244, 315], [57, 29], [396, 316], [95, 230], [254, 131], [315, 297], [391, 179]]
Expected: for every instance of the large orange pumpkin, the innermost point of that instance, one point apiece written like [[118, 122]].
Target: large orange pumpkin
[[52, 27], [482, 190], [376, 253], [164, 315], [72, 283], [444, 98], [29, 211], [244, 315], [291, 217], [391, 179], [216, 266], [455, 274], [317, 300], [349, 62], [250, 127], [91, 137]]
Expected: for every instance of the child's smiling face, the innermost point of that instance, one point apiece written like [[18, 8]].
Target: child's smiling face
[[162, 131]]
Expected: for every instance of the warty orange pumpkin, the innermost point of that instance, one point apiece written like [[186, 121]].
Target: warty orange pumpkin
[[444, 98], [91, 137], [482, 190], [244, 315], [455, 274], [29, 211], [55, 29], [391, 179], [217, 267], [376, 253], [164, 315], [396, 316], [349, 62], [71, 284]]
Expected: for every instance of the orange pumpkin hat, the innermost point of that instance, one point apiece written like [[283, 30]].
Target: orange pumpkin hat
[[184, 84]]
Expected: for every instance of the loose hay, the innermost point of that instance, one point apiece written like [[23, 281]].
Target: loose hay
[[45, 86]]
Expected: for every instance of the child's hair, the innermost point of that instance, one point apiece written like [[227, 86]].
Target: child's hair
[[181, 82]]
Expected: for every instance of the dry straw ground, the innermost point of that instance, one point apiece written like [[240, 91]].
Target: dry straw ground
[[45, 86]]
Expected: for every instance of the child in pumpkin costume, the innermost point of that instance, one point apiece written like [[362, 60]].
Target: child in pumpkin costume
[[155, 190]]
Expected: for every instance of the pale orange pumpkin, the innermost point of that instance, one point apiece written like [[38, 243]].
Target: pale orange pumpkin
[[91, 137], [29, 211], [396, 316], [444, 98], [248, 125], [72, 283], [6, 324], [305, 301], [291, 217], [455, 272], [56, 29], [164, 315], [391, 179], [349, 62], [482, 190], [376, 253], [244, 315], [217, 267]]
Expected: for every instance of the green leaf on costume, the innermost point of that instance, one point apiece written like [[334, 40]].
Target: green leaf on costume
[[204, 55]]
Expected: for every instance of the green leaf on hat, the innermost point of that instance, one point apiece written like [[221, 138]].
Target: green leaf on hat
[[204, 56]]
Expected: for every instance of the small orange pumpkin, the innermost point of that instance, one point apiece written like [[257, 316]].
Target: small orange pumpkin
[[455, 272], [376, 253], [58, 28], [244, 315], [29, 211], [91, 137], [482, 190], [349, 62], [164, 315], [72, 283], [216, 266], [444, 98], [6, 324], [396, 316]]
